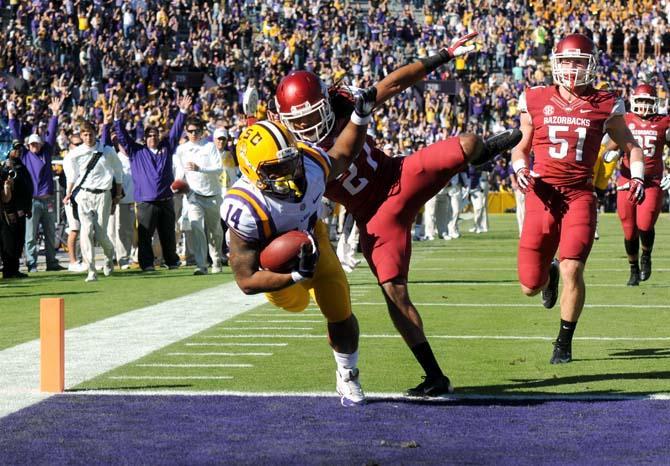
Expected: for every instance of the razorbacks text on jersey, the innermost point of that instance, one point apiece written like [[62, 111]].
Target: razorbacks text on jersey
[[652, 134], [567, 135], [257, 217]]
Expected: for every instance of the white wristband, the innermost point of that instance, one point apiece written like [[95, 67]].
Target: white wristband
[[297, 277], [637, 170], [359, 120], [518, 165]]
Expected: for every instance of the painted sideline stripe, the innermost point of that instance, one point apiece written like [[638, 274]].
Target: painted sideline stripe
[[453, 337], [191, 365], [101, 346], [218, 354], [380, 395]]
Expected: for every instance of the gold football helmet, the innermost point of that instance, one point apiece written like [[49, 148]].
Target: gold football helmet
[[270, 158]]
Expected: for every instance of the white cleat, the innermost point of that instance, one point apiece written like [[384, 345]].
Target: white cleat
[[108, 268], [349, 388], [91, 277]]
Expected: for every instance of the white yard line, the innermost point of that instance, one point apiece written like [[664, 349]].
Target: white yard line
[[101, 346], [170, 377], [218, 354], [191, 365], [449, 337]]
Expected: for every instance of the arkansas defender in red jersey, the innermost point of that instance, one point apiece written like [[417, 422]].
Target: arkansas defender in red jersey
[[652, 132], [384, 194], [563, 126]]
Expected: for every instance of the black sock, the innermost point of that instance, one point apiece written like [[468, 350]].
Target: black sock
[[424, 354], [632, 246], [565, 333], [647, 240]]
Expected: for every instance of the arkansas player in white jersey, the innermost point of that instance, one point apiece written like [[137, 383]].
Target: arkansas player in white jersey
[[563, 126], [384, 194], [652, 132]]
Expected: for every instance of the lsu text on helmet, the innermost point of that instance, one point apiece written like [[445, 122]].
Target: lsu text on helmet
[[270, 158], [574, 61], [304, 107], [643, 100]]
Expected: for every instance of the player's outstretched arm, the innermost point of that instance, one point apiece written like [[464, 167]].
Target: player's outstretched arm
[[245, 263], [351, 140], [407, 75]]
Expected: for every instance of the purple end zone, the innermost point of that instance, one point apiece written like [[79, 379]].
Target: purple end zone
[[302, 430]]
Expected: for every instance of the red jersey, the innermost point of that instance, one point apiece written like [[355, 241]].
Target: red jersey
[[652, 135], [366, 183], [567, 136]]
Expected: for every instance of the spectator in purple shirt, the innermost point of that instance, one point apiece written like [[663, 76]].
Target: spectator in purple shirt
[[37, 159], [151, 168]]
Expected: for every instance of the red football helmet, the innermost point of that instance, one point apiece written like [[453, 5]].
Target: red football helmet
[[643, 100], [569, 49], [304, 107]]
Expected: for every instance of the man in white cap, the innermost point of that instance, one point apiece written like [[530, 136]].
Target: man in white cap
[[200, 165]]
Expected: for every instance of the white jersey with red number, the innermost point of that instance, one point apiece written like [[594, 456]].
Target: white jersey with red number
[[567, 135], [652, 134]]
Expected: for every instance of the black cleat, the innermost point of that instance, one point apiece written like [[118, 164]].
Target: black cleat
[[561, 354], [634, 279], [550, 294], [496, 144], [431, 387], [645, 267]]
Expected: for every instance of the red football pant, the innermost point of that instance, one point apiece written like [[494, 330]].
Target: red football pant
[[386, 239], [569, 225], [639, 217]]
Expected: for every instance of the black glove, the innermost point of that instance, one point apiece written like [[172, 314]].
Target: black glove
[[307, 260]]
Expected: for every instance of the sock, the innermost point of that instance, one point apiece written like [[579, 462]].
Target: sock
[[632, 246], [565, 333], [424, 354], [345, 361], [647, 240]]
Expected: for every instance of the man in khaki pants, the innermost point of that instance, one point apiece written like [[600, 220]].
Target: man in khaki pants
[[94, 198]]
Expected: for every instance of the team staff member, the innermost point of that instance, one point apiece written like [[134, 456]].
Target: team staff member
[[200, 165], [37, 160], [151, 169], [96, 166]]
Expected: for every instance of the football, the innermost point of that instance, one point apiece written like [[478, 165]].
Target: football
[[180, 187], [281, 254]]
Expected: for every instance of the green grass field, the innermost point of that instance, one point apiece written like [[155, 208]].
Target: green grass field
[[489, 338]]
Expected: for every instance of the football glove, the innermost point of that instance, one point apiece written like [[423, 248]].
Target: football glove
[[307, 260], [635, 189], [459, 46], [665, 182], [364, 101], [525, 178]]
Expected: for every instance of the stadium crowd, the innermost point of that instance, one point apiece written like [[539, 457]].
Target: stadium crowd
[[145, 52]]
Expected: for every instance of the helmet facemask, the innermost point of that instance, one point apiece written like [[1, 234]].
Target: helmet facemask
[[284, 177], [309, 122], [572, 77], [644, 105]]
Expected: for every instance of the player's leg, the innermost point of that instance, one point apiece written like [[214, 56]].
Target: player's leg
[[627, 214], [386, 244], [577, 236], [647, 214], [330, 290], [537, 246]]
